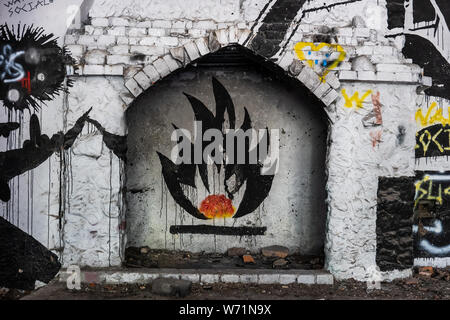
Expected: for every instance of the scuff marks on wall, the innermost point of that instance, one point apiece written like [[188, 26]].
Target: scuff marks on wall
[[32, 67]]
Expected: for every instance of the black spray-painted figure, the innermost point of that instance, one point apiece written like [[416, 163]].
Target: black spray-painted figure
[[175, 176]]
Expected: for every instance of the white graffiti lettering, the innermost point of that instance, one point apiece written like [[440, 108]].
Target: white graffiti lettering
[[427, 246], [11, 71]]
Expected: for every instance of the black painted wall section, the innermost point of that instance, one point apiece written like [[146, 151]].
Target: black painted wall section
[[23, 260], [396, 13], [394, 223], [423, 11], [274, 27], [434, 64]]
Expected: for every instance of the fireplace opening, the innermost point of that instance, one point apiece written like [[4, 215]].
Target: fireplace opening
[[226, 157]]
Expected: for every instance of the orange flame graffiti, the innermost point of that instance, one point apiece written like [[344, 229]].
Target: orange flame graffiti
[[217, 206]]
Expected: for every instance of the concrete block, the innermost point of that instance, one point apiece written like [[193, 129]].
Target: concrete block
[[325, 279], [385, 76], [390, 67], [230, 278], [306, 279], [134, 87], [209, 278], [248, 278], [288, 278], [193, 277], [367, 76], [268, 278], [403, 77]]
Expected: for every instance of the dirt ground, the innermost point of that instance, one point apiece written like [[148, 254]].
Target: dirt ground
[[433, 285]]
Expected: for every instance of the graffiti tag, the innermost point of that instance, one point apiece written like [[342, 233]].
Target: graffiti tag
[[325, 56], [355, 100], [11, 71]]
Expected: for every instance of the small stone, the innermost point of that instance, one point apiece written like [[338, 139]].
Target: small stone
[[411, 281], [171, 287], [275, 252], [426, 271], [248, 259], [236, 252], [145, 250], [280, 263]]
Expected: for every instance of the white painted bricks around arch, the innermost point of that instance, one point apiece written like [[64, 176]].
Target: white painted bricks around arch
[[162, 67], [152, 73], [134, 87], [143, 80], [202, 46], [192, 50]]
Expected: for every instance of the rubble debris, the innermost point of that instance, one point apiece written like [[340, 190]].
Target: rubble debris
[[275, 252]]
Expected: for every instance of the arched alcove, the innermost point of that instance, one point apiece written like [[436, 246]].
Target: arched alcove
[[292, 210]]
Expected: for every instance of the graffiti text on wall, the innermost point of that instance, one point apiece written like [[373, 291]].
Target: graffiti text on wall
[[432, 214], [18, 7], [322, 57]]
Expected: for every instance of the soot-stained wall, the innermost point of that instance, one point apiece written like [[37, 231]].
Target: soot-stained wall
[[292, 212]]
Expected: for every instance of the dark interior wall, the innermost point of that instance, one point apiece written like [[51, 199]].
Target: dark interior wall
[[293, 213]]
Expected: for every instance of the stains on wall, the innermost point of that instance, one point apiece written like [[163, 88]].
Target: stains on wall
[[432, 215], [394, 223], [23, 260]]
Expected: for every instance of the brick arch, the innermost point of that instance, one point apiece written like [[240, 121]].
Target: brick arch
[[195, 49]]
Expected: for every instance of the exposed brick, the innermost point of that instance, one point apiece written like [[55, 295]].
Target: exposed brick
[[309, 78], [116, 70], [137, 32], [388, 67], [99, 22], [144, 24], [197, 33], [151, 72], [142, 79], [117, 59], [162, 67], [232, 35], [94, 70], [171, 62], [348, 75], [169, 41], [179, 24], [119, 49], [222, 36], [147, 50], [95, 57], [117, 31], [192, 51], [106, 40], [164, 24], [75, 50], [86, 40], [202, 46], [122, 40], [330, 97], [154, 32], [133, 86], [321, 90], [119, 22], [204, 25], [148, 41], [179, 54]]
